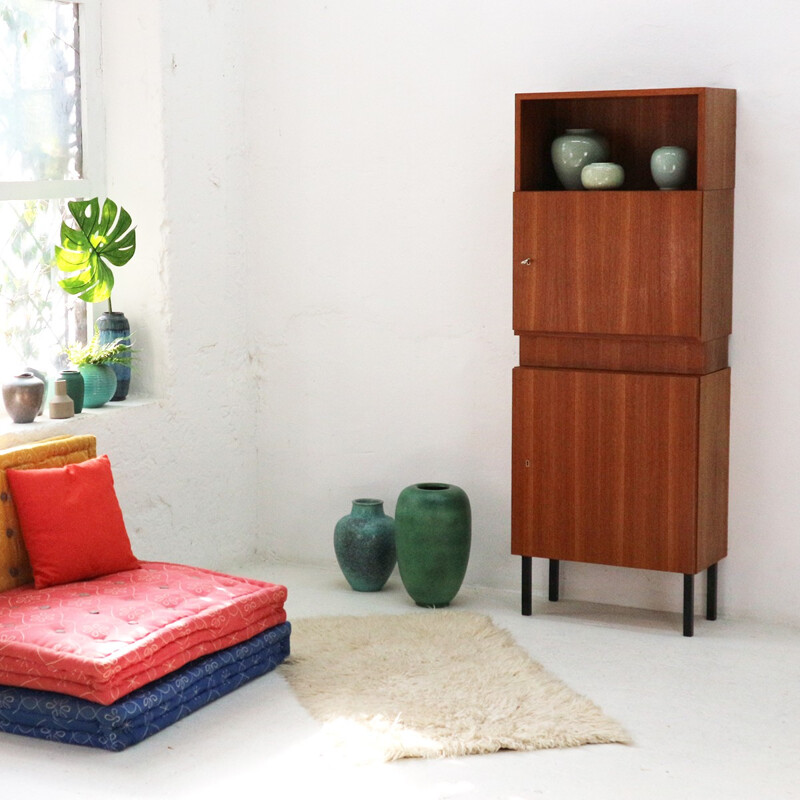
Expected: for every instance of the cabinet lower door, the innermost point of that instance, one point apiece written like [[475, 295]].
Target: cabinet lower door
[[620, 468]]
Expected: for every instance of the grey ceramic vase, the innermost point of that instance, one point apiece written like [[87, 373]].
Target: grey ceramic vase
[[669, 166], [43, 378], [364, 545], [573, 150], [22, 397]]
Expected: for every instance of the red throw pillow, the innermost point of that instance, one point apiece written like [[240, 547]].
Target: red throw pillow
[[71, 522]]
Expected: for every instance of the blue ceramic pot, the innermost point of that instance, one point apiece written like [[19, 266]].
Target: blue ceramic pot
[[114, 325], [364, 545]]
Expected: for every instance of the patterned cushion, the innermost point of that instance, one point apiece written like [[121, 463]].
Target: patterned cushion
[[58, 717], [15, 568], [104, 638]]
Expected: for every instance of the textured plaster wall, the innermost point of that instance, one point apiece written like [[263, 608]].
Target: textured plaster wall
[[381, 135], [186, 463]]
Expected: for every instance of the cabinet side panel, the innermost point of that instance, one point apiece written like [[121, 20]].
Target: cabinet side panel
[[717, 139], [605, 467], [713, 454], [717, 277]]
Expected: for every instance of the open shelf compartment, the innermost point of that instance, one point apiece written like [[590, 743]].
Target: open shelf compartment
[[635, 123]]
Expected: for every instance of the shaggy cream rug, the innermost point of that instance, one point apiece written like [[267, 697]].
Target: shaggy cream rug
[[434, 683]]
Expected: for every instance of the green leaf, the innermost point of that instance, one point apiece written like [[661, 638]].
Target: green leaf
[[70, 260], [108, 216], [78, 283], [121, 252], [104, 236], [72, 239]]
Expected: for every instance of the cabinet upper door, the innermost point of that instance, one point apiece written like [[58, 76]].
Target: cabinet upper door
[[613, 262]]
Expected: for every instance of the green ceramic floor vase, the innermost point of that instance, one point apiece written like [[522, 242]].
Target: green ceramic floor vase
[[364, 545], [433, 531]]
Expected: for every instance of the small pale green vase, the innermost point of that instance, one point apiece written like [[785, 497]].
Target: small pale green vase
[[99, 384], [433, 531]]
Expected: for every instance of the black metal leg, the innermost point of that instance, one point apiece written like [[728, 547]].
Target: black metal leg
[[688, 605], [527, 578], [553, 589], [711, 592]]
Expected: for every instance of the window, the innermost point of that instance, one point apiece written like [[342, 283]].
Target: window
[[50, 152]]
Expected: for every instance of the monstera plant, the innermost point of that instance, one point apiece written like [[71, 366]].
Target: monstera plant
[[104, 238]]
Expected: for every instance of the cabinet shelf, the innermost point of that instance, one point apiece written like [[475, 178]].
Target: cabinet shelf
[[702, 120]]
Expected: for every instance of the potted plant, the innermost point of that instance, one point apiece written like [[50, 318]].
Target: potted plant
[[104, 238], [95, 362]]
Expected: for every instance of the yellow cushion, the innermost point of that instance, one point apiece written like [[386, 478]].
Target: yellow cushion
[[15, 569]]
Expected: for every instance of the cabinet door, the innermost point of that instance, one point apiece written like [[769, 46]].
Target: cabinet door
[[605, 467], [608, 262]]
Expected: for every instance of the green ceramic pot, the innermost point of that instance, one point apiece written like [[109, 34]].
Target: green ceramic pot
[[433, 531], [99, 384], [75, 387], [364, 545]]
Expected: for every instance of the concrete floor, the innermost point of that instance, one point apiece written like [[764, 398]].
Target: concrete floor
[[714, 716]]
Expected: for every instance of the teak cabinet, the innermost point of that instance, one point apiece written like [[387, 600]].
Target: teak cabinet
[[622, 306]]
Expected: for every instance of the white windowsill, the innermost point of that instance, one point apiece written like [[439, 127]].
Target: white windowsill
[[13, 433]]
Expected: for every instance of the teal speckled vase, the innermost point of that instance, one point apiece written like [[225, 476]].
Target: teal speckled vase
[[364, 545], [99, 384], [433, 530]]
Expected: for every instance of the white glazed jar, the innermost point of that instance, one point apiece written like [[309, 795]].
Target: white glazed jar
[[602, 175]]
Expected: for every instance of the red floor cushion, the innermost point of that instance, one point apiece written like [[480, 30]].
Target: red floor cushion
[[103, 638]]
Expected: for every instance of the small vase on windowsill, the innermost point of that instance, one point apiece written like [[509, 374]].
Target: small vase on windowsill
[[99, 384], [114, 325]]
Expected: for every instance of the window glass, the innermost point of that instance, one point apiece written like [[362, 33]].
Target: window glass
[[41, 156], [37, 317], [39, 91]]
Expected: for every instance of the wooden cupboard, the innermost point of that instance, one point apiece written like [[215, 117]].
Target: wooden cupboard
[[622, 306]]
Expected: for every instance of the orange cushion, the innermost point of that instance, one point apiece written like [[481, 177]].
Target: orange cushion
[[71, 522]]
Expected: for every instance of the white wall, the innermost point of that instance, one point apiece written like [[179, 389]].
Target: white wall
[[323, 286], [186, 465], [381, 137]]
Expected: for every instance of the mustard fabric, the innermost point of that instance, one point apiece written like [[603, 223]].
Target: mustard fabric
[[15, 569]]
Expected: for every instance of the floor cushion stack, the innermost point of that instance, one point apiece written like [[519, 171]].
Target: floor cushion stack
[[109, 660]]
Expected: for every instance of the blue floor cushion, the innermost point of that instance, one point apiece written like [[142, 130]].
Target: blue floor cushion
[[145, 711]]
